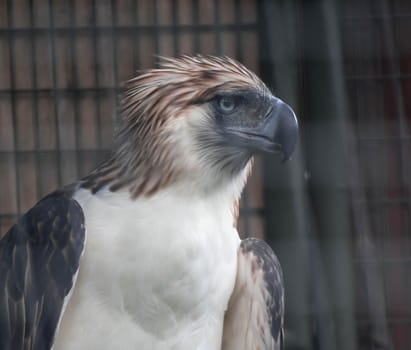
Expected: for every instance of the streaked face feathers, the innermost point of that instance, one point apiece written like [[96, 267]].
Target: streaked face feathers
[[153, 101], [179, 82], [194, 120]]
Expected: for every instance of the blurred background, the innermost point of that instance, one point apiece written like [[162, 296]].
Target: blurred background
[[337, 214]]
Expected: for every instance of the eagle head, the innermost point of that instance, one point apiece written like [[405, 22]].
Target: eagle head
[[197, 118]]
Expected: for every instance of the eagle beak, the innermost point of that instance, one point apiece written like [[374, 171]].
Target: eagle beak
[[280, 129], [276, 131]]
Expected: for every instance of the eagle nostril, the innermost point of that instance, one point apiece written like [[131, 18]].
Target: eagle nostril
[[267, 114]]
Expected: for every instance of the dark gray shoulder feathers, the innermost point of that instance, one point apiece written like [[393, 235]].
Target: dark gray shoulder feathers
[[39, 259]]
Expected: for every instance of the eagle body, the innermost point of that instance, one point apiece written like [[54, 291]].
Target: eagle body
[[143, 252], [158, 272]]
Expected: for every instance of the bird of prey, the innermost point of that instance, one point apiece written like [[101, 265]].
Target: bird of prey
[[143, 253]]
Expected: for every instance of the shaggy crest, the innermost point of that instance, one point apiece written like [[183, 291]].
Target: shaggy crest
[[142, 157]]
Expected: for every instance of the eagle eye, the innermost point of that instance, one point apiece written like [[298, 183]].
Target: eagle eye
[[226, 104]]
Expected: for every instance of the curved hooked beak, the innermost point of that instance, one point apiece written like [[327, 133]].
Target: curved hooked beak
[[280, 129], [276, 133]]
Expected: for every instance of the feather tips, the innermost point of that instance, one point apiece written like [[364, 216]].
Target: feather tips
[[255, 316]]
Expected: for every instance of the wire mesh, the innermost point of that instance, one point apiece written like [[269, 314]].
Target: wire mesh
[[61, 68], [377, 67]]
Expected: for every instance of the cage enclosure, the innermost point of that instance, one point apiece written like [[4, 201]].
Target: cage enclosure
[[337, 214]]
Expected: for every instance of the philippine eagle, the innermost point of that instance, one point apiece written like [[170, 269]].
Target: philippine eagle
[[143, 253]]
